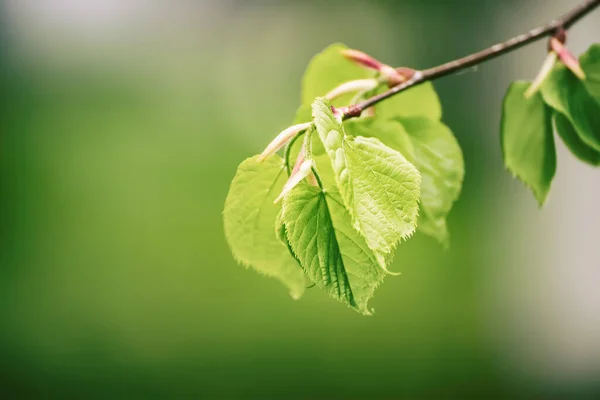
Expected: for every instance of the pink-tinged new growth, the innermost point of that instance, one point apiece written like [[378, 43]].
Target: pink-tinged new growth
[[338, 113], [541, 76], [299, 160], [362, 59], [399, 75], [282, 139], [396, 76], [567, 58], [302, 171], [359, 85], [393, 76]]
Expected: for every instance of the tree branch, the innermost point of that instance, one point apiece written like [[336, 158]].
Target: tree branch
[[494, 51]]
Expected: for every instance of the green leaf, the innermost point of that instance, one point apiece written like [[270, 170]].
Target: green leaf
[[432, 148], [331, 252], [527, 139], [391, 133], [439, 159], [579, 148], [249, 217], [590, 63], [378, 185], [327, 70], [420, 100], [565, 93]]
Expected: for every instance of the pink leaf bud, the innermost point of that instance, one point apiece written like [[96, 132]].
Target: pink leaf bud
[[362, 59], [359, 85], [338, 113], [398, 75], [281, 140], [566, 57], [299, 160], [302, 172]]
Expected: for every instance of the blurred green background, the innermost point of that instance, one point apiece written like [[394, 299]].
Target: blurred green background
[[122, 126]]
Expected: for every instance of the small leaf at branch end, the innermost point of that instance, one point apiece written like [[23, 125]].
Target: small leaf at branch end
[[439, 159], [327, 70], [331, 252], [418, 101], [249, 218], [527, 140], [379, 187], [572, 140], [565, 93]]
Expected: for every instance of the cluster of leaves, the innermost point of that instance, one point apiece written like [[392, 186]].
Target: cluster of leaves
[[571, 104], [379, 177]]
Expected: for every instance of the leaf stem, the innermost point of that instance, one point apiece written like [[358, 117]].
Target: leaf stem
[[317, 177], [479, 57], [287, 150]]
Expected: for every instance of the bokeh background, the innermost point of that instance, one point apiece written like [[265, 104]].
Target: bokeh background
[[122, 124]]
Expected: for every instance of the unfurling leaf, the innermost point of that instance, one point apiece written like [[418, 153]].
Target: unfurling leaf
[[332, 253], [249, 219], [379, 187], [527, 139]]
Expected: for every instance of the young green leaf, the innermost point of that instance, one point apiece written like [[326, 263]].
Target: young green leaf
[[572, 140], [590, 63], [420, 100], [378, 185], [249, 217], [527, 139], [439, 159], [331, 252], [327, 70], [432, 148], [568, 95]]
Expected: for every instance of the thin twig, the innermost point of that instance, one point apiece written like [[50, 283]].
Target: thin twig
[[471, 60]]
